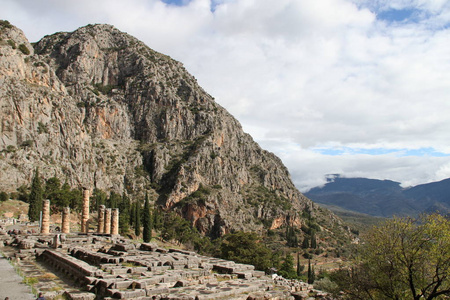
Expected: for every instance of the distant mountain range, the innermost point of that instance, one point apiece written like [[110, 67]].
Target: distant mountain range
[[383, 198]]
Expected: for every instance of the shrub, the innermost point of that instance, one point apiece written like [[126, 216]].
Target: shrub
[[5, 24], [24, 49], [3, 196], [12, 44], [27, 143]]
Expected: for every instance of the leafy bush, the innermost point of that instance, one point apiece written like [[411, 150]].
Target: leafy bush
[[5, 24], [246, 247], [3, 196], [26, 144], [12, 44], [42, 128], [24, 49]]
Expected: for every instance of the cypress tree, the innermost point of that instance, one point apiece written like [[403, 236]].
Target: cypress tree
[[124, 208], [147, 220], [157, 219], [300, 267], [313, 239], [133, 214], [137, 221], [311, 275], [36, 197], [305, 244], [114, 200]]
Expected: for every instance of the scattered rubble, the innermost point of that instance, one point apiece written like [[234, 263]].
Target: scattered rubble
[[107, 266]]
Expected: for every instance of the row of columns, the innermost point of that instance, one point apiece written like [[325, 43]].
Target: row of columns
[[45, 226], [108, 219]]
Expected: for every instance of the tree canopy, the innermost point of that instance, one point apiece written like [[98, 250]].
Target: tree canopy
[[245, 247], [402, 259]]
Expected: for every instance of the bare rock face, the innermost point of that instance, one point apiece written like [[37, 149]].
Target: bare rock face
[[100, 108]]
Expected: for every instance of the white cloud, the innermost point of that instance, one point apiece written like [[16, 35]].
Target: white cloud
[[312, 74]]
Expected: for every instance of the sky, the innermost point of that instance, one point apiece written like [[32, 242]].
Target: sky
[[359, 88]]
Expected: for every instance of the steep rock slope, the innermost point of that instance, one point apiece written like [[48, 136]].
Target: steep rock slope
[[100, 109]]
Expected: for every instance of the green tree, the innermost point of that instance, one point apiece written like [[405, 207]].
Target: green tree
[[52, 191], [124, 208], [65, 195], [114, 200], [137, 222], [157, 219], [36, 197], [246, 247], [305, 243], [76, 199], [300, 267], [311, 273], [291, 237], [147, 221], [287, 268], [313, 243], [3, 196], [99, 197], [23, 193], [403, 258]]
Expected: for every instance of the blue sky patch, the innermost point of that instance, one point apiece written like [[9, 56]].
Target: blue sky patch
[[214, 3], [399, 15], [177, 2], [421, 152]]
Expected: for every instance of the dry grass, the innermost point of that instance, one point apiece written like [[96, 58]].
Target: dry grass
[[15, 206], [47, 276]]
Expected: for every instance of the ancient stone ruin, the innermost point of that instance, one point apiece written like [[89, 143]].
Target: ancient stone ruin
[[104, 265]]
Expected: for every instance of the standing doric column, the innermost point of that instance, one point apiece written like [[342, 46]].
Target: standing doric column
[[107, 221], [115, 221], [45, 226], [85, 211], [65, 226], [101, 219]]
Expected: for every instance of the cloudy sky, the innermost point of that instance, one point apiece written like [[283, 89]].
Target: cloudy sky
[[355, 87]]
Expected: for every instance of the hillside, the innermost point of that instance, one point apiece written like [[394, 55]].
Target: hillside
[[99, 109], [383, 198]]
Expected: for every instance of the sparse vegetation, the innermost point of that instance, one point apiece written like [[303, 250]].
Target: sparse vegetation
[[5, 24], [12, 44], [24, 49], [42, 128]]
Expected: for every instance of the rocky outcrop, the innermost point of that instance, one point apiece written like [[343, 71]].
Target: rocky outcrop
[[99, 108]]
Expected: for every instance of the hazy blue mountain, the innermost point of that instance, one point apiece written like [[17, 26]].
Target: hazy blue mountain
[[383, 198]]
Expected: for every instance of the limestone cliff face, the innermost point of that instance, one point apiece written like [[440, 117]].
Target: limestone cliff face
[[99, 108]]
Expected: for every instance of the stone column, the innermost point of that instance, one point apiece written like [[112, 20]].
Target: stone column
[[101, 219], [107, 221], [45, 226], [115, 222], [65, 226], [85, 211]]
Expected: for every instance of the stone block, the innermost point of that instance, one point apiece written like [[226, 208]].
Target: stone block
[[129, 294], [79, 296]]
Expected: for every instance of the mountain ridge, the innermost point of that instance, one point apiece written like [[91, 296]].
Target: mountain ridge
[[100, 109], [383, 198]]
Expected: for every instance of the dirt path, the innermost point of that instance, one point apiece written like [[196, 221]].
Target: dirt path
[[11, 283]]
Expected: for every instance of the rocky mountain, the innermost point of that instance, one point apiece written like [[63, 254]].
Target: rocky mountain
[[383, 198], [98, 108]]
